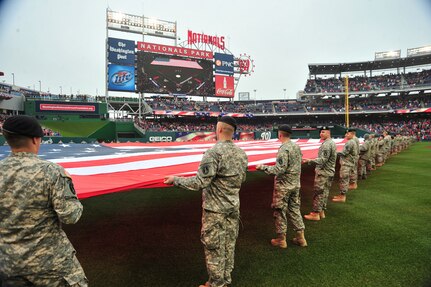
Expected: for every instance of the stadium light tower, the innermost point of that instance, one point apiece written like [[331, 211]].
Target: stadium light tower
[[13, 79], [40, 86], [284, 90], [255, 96]]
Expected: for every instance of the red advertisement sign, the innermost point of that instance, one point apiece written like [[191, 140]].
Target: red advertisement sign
[[224, 86], [69, 108], [173, 50], [193, 38], [244, 65]]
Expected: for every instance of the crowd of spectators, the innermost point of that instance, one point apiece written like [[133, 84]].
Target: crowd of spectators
[[184, 104], [5, 96], [418, 79], [419, 128], [3, 117], [50, 133], [385, 103], [196, 125], [364, 83], [320, 105], [63, 97]]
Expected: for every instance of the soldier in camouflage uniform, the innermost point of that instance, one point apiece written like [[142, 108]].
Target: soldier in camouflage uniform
[[220, 175], [347, 163], [387, 142], [354, 171], [36, 197], [324, 174], [380, 151], [372, 159], [364, 155], [286, 198]]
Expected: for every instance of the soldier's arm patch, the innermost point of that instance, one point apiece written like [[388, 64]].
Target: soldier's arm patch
[[69, 188], [280, 160], [207, 169]]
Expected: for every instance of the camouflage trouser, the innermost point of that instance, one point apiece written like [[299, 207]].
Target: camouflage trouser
[[75, 278], [288, 206], [387, 154], [373, 161], [345, 172], [322, 185], [354, 173], [218, 235], [362, 167], [379, 158]]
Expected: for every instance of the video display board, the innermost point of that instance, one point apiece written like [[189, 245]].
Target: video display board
[[164, 73]]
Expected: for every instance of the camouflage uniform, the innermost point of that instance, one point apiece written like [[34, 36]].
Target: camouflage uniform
[[324, 173], [220, 175], [387, 140], [36, 196], [286, 198], [379, 152], [373, 146], [347, 163], [354, 171], [364, 155]]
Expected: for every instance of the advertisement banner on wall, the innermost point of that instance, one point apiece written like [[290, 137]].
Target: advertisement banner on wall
[[224, 64], [65, 108], [121, 51], [155, 137], [224, 86], [121, 78]]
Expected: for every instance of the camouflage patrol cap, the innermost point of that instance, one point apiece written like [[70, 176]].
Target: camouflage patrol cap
[[228, 120], [348, 130], [285, 128], [366, 136], [23, 125]]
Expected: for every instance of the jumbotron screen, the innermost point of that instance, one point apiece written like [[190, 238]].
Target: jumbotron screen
[[161, 73]]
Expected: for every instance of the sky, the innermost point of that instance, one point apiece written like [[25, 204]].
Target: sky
[[59, 45]]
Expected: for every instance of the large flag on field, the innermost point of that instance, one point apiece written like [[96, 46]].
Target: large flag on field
[[99, 169]]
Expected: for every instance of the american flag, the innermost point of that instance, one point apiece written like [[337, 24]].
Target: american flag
[[99, 169]]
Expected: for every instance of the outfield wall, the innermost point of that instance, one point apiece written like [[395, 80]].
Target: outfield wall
[[110, 131]]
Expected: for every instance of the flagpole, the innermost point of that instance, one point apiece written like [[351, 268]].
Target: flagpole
[[346, 100]]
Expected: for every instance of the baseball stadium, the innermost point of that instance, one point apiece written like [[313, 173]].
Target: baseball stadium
[[159, 116]]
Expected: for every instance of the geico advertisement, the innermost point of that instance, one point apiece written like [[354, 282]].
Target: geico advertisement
[[154, 139]]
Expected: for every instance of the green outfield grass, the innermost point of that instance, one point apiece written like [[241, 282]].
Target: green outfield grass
[[74, 128], [380, 237]]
